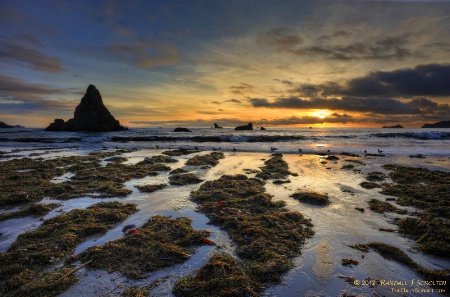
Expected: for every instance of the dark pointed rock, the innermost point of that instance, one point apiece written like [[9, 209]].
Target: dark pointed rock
[[262, 128], [90, 115], [249, 126], [217, 126]]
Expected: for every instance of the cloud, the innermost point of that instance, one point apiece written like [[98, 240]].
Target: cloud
[[233, 101], [146, 53], [22, 97], [386, 48], [282, 38], [340, 45], [22, 51], [241, 89], [423, 80], [354, 104]]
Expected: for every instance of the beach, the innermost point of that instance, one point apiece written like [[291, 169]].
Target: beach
[[314, 266]]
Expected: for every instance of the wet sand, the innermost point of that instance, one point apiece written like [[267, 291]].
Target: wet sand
[[315, 272]]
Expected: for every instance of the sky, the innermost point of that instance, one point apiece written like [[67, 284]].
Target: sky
[[278, 63]]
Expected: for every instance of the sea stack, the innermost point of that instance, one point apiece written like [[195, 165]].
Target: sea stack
[[443, 124], [90, 115], [249, 126], [217, 126]]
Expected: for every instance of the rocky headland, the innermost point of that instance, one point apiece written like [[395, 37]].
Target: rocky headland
[[443, 124], [4, 125]]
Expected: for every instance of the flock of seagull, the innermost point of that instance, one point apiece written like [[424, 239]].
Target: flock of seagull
[[272, 149]]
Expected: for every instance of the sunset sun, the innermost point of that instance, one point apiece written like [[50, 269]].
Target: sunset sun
[[321, 113]]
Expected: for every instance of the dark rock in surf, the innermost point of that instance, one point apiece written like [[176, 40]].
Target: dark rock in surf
[[57, 125], [3, 125], [443, 124], [249, 126], [90, 115], [396, 126], [262, 128], [217, 126], [179, 129]]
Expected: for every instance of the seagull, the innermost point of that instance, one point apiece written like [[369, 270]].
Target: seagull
[[379, 151]]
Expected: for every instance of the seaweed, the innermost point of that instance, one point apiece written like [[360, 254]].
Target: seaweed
[[432, 235], [117, 159], [311, 197], [332, 158], [26, 181], [54, 240], [267, 235], [157, 160], [375, 176], [159, 243], [49, 284], [369, 185], [428, 190], [151, 188], [360, 247], [29, 210], [348, 167], [184, 179], [211, 159], [275, 168], [349, 262], [222, 275], [280, 182], [178, 171], [180, 152], [392, 252], [381, 207]]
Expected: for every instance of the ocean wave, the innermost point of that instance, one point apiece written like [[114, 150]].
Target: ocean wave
[[42, 140], [426, 135], [218, 138]]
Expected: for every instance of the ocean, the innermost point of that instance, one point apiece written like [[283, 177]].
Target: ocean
[[430, 142]]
